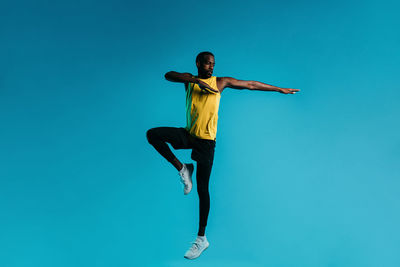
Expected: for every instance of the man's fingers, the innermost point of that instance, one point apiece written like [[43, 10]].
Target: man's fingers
[[208, 88], [212, 90]]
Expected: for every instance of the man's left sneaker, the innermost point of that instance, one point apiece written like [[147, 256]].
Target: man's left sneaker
[[186, 177], [197, 248]]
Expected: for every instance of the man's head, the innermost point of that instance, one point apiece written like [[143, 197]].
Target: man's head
[[205, 64]]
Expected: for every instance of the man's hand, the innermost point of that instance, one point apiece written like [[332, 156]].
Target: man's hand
[[288, 90], [206, 87]]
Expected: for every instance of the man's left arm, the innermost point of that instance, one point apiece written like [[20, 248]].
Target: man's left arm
[[230, 82]]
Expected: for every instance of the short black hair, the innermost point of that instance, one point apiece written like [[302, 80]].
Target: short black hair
[[200, 56]]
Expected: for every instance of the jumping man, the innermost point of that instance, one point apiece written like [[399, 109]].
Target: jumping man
[[203, 93]]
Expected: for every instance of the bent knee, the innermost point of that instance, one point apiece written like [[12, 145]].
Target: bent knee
[[151, 135]]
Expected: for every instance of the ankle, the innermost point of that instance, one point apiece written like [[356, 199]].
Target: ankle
[[202, 231], [182, 168], [177, 164], [201, 238]]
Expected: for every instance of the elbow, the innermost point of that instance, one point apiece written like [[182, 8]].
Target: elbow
[[167, 75], [251, 85]]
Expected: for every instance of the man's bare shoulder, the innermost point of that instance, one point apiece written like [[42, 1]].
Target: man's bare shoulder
[[222, 82]]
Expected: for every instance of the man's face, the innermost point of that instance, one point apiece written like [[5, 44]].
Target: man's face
[[206, 66]]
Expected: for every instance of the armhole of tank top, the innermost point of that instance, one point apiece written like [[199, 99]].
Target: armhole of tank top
[[189, 87], [216, 85]]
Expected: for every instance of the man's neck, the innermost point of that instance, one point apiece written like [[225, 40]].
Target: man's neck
[[202, 76]]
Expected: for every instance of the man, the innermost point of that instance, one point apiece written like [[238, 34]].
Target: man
[[203, 93]]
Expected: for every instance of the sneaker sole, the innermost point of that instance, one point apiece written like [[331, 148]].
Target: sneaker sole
[[197, 256]]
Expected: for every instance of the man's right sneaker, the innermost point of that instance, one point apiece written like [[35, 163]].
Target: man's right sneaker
[[186, 177]]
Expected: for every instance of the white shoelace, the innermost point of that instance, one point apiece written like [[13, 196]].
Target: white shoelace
[[195, 246], [182, 179], [182, 176]]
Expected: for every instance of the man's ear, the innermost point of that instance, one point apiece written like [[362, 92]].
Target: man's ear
[[198, 64]]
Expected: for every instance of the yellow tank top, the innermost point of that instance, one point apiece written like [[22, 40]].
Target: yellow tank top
[[202, 110]]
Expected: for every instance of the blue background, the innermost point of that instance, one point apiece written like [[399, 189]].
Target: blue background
[[310, 179]]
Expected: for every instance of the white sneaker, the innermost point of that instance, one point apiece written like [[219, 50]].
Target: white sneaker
[[186, 177], [197, 248]]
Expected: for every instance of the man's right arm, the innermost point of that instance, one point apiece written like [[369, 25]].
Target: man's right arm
[[174, 76], [186, 77]]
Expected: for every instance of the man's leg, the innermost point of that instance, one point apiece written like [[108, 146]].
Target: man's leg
[[158, 137], [203, 178]]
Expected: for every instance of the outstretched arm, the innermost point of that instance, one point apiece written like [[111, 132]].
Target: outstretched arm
[[224, 82], [186, 77]]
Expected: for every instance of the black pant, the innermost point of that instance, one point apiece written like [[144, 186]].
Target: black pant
[[202, 152]]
